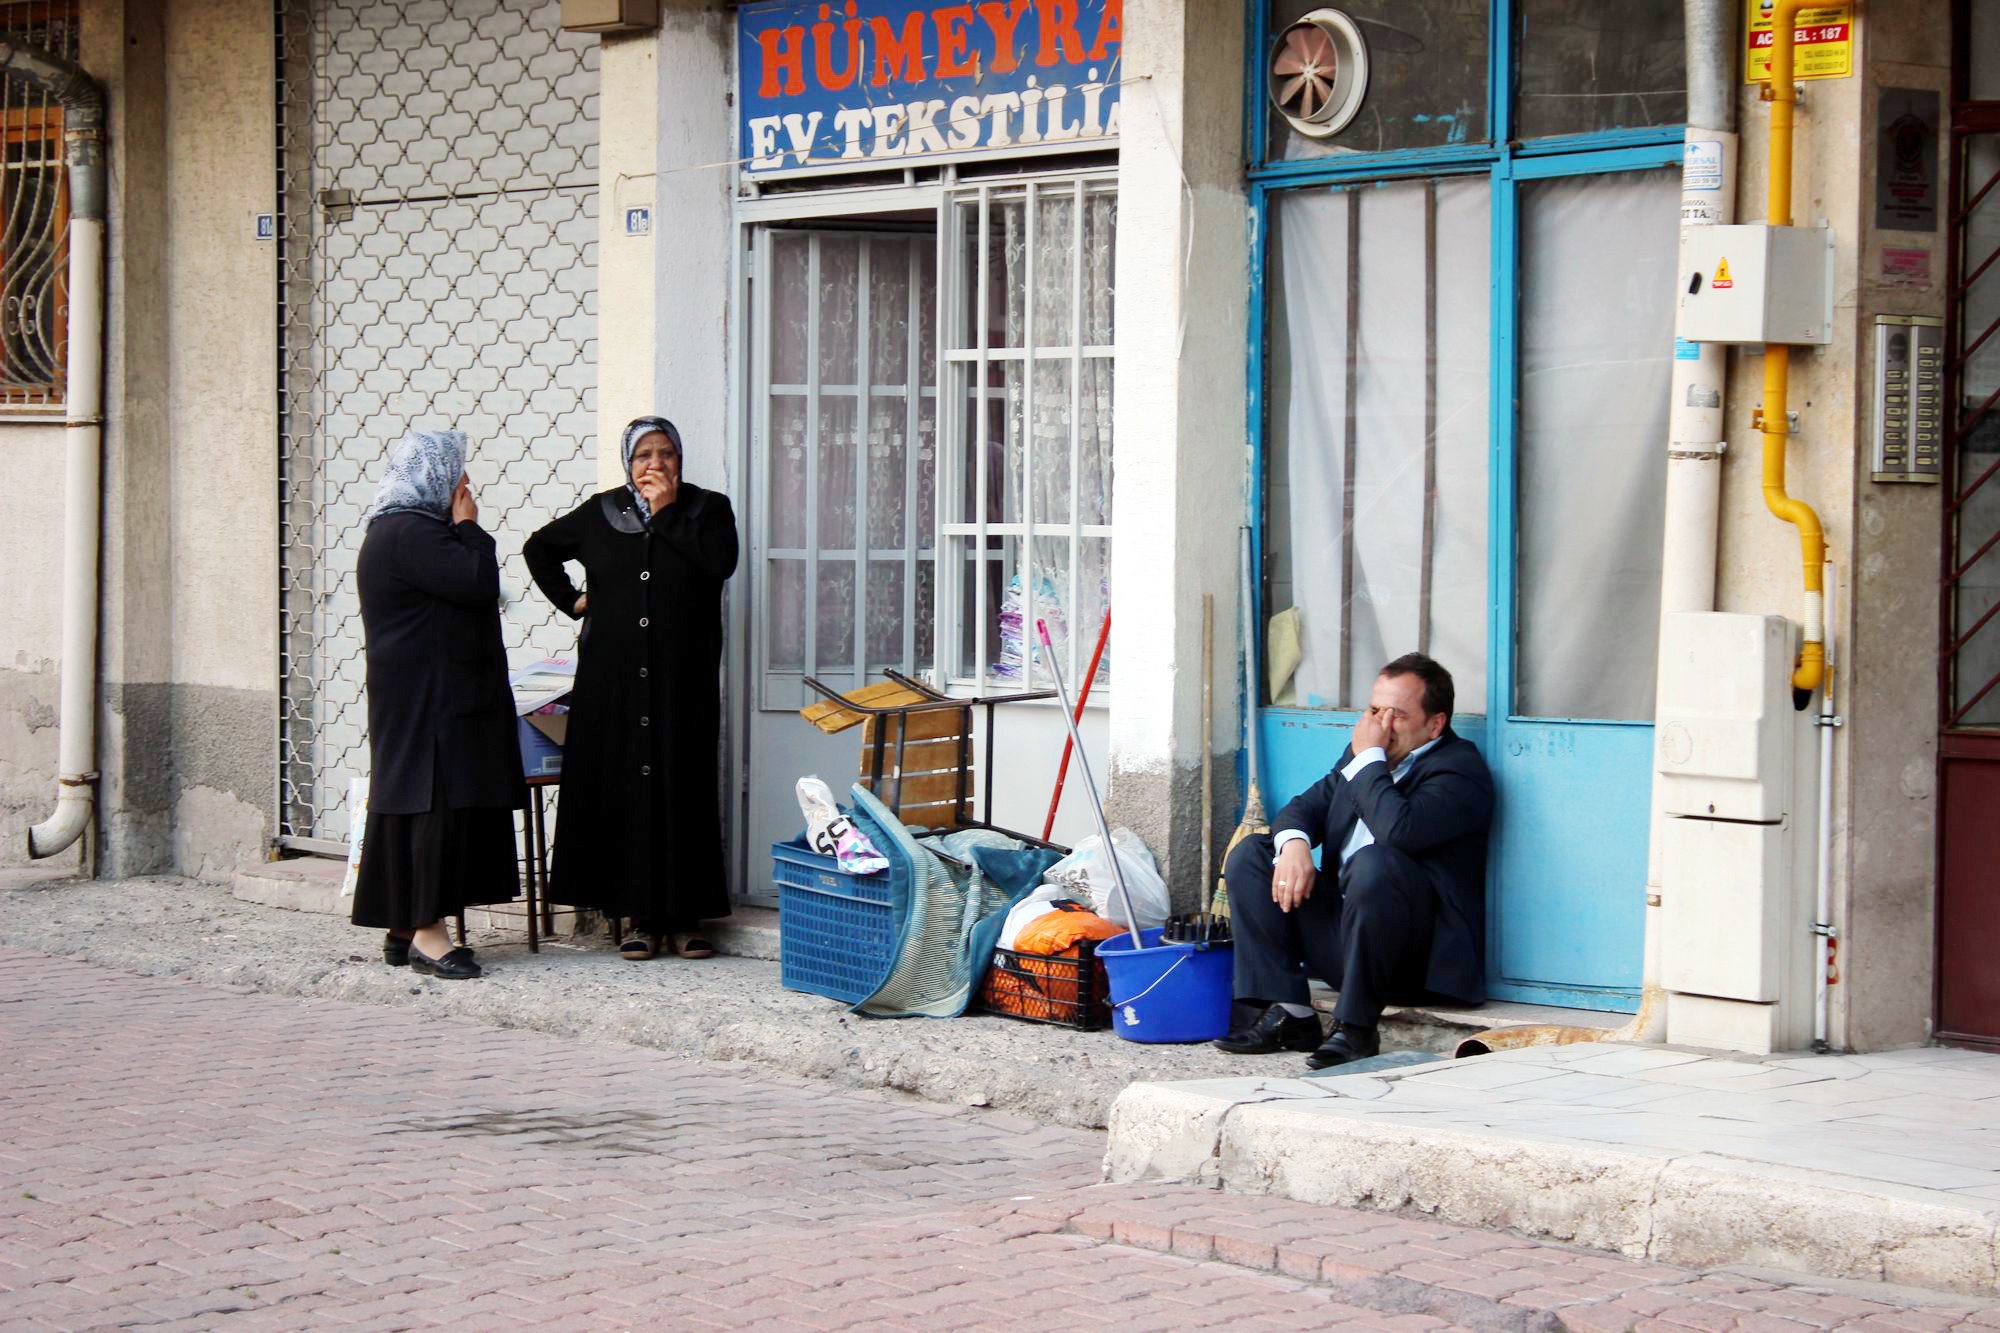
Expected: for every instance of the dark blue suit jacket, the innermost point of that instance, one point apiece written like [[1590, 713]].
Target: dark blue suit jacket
[[1438, 816]]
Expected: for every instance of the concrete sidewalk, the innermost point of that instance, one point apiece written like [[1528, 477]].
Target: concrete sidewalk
[[729, 1008], [1882, 1167]]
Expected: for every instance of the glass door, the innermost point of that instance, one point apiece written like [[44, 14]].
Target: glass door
[[1579, 524], [843, 406]]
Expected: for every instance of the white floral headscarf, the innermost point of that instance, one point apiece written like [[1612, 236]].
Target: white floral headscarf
[[422, 474], [638, 430]]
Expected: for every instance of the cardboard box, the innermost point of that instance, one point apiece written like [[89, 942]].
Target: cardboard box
[[541, 713]]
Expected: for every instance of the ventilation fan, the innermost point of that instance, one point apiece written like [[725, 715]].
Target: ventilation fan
[[1319, 73]]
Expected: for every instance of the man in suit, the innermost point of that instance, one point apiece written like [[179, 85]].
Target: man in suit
[[1398, 909]]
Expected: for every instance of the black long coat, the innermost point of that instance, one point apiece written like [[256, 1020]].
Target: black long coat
[[1439, 816], [438, 703], [639, 833]]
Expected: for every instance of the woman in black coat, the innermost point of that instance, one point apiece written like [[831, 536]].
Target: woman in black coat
[[446, 765], [639, 834]]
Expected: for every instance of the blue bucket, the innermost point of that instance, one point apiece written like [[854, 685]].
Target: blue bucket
[[1168, 992]]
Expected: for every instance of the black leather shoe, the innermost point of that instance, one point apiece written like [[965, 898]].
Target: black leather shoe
[[1275, 1031], [457, 965], [1349, 1041], [395, 951]]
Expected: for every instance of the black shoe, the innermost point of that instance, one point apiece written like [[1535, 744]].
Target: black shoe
[[1350, 1041], [395, 950], [457, 965], [1275, 1031]]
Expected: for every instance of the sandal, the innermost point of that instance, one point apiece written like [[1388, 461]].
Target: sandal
[[640, 947], [687, 944]]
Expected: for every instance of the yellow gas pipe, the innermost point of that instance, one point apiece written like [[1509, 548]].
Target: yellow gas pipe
[[1774, 419]]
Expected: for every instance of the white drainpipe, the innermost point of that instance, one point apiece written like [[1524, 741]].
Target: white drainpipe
[[83, 396], [1824, 952], [1695, 412]]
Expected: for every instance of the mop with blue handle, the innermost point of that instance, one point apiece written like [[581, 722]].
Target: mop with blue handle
[[1089, 782]]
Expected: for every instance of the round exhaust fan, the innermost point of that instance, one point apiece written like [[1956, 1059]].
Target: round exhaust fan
[[1319, 73]]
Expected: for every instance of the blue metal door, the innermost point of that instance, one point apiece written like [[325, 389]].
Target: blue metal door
[[1583, 348], [1369, 326]]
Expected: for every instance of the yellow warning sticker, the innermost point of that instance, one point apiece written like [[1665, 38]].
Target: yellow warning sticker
[[1721, 278], [1823, 42]]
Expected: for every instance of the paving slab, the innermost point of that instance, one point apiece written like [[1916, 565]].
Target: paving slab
[[1680, 1156]]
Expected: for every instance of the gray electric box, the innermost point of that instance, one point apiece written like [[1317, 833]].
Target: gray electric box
[[1909, 398], [1755, 283]]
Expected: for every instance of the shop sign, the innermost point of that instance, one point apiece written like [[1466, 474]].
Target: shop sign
[[860, 85], [1822, 37]]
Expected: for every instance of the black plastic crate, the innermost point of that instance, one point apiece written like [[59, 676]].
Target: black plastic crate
[[1039, 988]]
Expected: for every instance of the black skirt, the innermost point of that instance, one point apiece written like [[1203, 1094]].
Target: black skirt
[[416, 869]]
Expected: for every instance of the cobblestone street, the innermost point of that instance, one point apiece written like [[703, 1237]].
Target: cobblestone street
[[180, 1155]]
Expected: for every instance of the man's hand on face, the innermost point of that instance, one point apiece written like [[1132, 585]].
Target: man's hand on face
[[1293, 875], [1372, 731]]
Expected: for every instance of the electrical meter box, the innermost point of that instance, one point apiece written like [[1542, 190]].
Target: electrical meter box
[[1722, 740], [1756, 283]]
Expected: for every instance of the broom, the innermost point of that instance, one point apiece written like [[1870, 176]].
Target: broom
[[1254, 820]]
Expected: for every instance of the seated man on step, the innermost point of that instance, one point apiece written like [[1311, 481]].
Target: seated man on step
[[1398, 910]]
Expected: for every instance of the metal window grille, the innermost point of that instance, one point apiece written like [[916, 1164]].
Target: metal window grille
[[847, 480], [34, 218], [1026, 508], [436, 259]]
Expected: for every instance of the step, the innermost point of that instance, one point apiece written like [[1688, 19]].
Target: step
[[747, 932], [298, 884], [1440, 1027]]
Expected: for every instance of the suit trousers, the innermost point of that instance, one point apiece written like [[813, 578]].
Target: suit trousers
[[1365, 931]]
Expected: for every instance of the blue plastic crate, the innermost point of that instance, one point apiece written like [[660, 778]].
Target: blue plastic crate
[[836, 931]]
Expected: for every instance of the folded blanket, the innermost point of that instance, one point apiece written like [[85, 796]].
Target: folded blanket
[[948, 921]]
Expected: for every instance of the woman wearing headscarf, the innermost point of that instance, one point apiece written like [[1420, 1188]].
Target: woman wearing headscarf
[[446, 772], [639, 834]]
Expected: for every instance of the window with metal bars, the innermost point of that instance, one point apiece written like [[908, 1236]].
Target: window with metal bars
[[34, 217], [1026, 511]]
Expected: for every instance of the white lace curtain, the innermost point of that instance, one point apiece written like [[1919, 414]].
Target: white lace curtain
[[1057, 472]]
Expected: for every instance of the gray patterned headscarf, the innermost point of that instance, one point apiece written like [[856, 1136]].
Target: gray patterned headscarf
[[638, 430], [422, 474]]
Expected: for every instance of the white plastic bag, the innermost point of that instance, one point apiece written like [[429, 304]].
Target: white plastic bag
[[357, 825], [1086, 875], [831, 833], [1039, 903]]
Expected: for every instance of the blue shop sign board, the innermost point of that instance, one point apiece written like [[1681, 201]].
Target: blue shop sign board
[[863, 85]]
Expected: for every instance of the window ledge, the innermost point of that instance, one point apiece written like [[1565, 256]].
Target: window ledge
[[1100, 695]]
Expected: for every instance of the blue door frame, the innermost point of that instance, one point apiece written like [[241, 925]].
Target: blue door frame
[[1552, 773]]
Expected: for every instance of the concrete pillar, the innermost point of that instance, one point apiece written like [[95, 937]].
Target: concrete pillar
[[222, 395], [693, 292], [124, 46], [664, 298], [1886, 814], [627, 146], [1180, 451], [1884, 540]]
